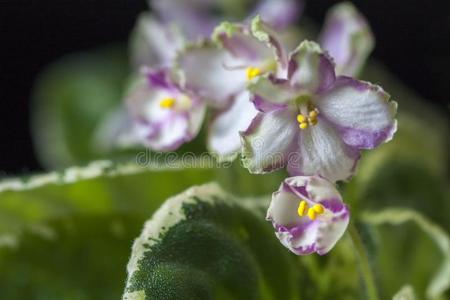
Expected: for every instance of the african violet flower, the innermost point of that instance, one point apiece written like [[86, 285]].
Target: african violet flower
[[308, 215], [220, 74], [314, 122], [165, 115], [347, 38]]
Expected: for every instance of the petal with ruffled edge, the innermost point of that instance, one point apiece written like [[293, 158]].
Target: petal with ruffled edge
[[347, 37], [265, 34], [360, 111], [224, 139], [320, 150], [159, 128], [302, 235], [279, 13], [310, 69], [268, 140], [154, 43], [238, 40], [203, 70]]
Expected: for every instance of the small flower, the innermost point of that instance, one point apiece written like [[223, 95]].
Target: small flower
[[308, 215], [314, 122], [220, 72], [165, 115], [347, 38]]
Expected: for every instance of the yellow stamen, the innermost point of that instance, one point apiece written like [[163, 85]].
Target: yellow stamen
[[301, 118], [313, 114], [312, 214], [303, 125], [252, 72], [318, 208], [167, 102], [313, 121], [302, 208]]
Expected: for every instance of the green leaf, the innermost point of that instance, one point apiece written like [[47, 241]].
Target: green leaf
[[71, 99], [441, 280], [203, 244], [67, 235]]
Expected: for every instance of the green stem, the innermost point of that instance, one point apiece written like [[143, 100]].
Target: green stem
[[366, 269]]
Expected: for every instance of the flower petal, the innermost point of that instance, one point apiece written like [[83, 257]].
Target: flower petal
[[237, 39], [224, 139], [322, 152], [272, 90], [310, 69], [265, 34], [347, 37], [302, 235], [154, 43], [268, 140], [361, 111], [203, 70], [169, 135], [279, 13]]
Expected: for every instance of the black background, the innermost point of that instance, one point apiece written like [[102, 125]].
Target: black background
[[413, 40]]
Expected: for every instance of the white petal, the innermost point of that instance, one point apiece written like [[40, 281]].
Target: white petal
[[153, 43], [268, 140], [322, 152], [310, 69], [361, 111], [224, 139], [204, 71]]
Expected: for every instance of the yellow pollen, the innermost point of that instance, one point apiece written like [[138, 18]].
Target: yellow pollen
[[252, 72], [313, 121], [167, 102], [318, 208], [302, 207], [313, 114], [303, 125], [301, 118], [312, 214]]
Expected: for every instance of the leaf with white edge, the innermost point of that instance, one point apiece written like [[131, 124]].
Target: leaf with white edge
[[203, 244], [66, 235], [441, 280]]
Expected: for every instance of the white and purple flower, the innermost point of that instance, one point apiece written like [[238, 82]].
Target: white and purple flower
[[308, 215], [220, 72], [313, 122], [347, 37], [165, 115]]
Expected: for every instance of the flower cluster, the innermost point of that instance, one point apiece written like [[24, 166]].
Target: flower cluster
[[277, 104]]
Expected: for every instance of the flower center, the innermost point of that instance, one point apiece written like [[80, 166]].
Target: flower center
[[307, 119], [182, 103], [312, 212], [252, 72]]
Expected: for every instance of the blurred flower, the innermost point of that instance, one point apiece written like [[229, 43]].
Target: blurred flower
[[153, 43], [314, 122], [220, 74], [347, 38], [308, 215], [198, 18], [165, 115]]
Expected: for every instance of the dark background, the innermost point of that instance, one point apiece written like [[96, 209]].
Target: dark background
[[413, 41]]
